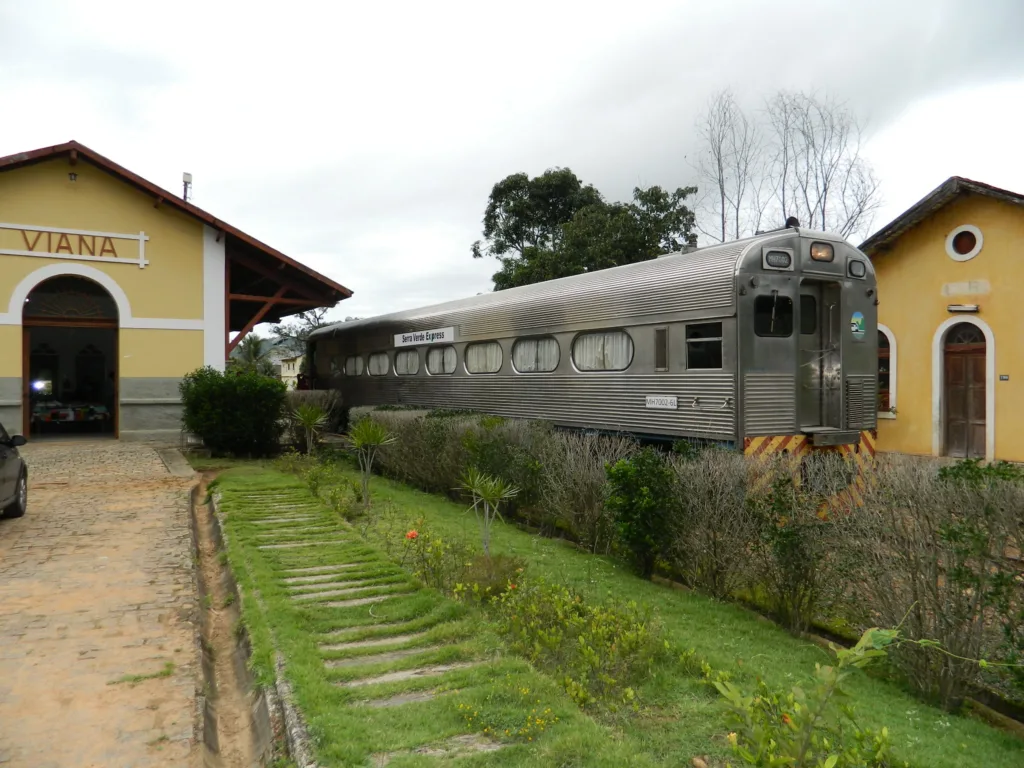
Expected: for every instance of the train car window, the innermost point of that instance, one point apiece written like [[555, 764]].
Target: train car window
[[773, 315], [704, 346], [808, 314], [603, 351], [378, 364], [484, 357], [661, 349], [354, 366], [440, 360], [407, 362], [535, 355]]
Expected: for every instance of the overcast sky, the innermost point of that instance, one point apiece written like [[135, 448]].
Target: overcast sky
[[363, 138]]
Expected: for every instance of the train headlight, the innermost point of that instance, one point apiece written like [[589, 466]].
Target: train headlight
[[822, 252], [778, 260], [857, 269]]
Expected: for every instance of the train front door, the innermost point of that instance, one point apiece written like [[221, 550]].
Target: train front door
[[820, 357]]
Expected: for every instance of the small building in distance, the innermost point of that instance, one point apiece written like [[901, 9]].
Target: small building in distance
[[951, 354], [290, 367]]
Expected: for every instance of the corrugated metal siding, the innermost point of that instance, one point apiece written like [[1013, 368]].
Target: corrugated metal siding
[[702, 280], [861, 402], [769, 404], [707, 402]]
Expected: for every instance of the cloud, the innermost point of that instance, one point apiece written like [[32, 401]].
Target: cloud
[[364, 139]]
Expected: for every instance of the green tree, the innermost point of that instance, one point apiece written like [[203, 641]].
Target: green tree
[[527, 213], [253, 354], [603, 235], [294, 333]]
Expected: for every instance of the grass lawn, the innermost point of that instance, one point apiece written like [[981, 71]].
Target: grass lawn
[[680, 719]]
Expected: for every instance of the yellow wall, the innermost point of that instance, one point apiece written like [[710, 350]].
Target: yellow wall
[[911, 280], [152, 353], [171, 286], [10, 350]]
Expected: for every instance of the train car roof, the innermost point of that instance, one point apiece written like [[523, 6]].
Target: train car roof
[[705, 272]]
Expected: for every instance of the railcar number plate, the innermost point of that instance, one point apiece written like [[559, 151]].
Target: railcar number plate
[[664, 402]]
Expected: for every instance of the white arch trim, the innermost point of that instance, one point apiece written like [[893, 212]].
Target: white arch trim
[[124, 310], [938, 360], [893, 367]]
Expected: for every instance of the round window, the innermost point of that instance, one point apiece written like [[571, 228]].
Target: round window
[[964, 242]]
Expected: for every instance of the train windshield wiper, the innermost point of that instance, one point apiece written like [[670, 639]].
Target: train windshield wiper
[[775, 302]]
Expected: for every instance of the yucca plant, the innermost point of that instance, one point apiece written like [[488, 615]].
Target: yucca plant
[[312, 420], [487, 492], [366, 438]]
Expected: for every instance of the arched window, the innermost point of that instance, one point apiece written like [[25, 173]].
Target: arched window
[[378, 364], [354, 366], [441, 360], [407, 362], [535, 355], [886, 373], [483, 357], [603, 351]]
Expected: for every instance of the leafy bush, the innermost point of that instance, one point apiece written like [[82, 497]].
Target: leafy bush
[[642, 496], [508, 450], [574, 485], [428, 454], [715, 526], [597, 652], [234, 413], [933, 545], [366, 438], [800, 563], [809, 728], [327, 400]]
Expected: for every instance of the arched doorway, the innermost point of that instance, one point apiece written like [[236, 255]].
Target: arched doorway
[[69, 369], [964, 387]]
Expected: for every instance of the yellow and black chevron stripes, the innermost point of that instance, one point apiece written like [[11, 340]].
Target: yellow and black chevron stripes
[[861, 454]]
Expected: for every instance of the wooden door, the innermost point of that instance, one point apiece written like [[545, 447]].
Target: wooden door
[[965, 401]]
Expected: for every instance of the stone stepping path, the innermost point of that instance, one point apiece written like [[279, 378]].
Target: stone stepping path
[[361, 601], [409, 674], [374, 642], [379, 658], [326, 568], [297, 531], [295, 544], [456, 746], [303, 589], [313, 596], [414, 697], [312, 579], [281, 520]]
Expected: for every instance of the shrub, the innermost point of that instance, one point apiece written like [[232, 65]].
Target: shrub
[[428, 453], [235, 413], [366, 438], [327, 400], [933, 545], [715, 526], [310, 420], [642, 496], [574, 484], [508, 450], [808, 728], [487, 493], [800, 565], [597, 652]]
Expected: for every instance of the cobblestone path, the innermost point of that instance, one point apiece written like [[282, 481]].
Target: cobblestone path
[[97, 656]]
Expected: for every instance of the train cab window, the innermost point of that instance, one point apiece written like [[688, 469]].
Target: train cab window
[[483, 357], [440, 360], [535, 355], [353, 365], [808, 314], [703, 346], [603, 351], [773, 315], [407, 362], [661, 349], [378, 364]]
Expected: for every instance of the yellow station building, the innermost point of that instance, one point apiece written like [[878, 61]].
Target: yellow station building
[[112, 289], [951, 354]]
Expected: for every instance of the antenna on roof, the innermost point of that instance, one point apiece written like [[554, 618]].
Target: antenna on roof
[[792, 222], [186, 180]]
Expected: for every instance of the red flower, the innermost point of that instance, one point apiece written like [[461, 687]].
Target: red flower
[[786, 719], [511, 586], [412, 535]]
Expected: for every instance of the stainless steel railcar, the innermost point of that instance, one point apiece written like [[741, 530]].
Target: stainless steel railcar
[[767, 343]]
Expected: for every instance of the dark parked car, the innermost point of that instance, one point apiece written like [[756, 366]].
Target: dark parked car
[[13, 476]]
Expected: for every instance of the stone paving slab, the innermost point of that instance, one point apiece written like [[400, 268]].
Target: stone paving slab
[[96, 584]]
